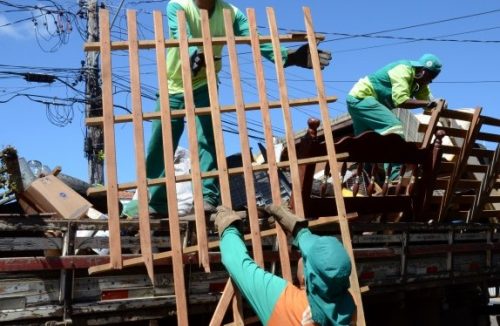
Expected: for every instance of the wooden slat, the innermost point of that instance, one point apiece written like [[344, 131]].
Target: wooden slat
[[271, 155], [228, 294], [109, 142], [430, 130], [450, 132], [142, 187], [461, 184], [215, 110], [339, 199], [287, 117], [168, 152], [97, 121], [450, 149], [322, 221], [490, 121], [475, 168], [243, 135], [223, 304], [186, 177], [459, 115], [462, 159], [201, 227], [488, 137], [481, 152], [493, 199], [150, 44]]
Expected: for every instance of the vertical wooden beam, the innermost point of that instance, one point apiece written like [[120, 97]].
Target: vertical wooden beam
[[271, 155], [339, 199], [432, 125], [168, 153], [215, 110], [245, 148], [201, 227], [246, 159], [287, 117], [115, 260], [142, 186]]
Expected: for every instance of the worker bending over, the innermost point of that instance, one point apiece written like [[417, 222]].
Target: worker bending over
[[401, 84], [326, 299], [207, 156]]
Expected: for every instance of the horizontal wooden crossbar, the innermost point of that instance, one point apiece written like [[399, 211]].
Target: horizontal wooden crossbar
[[151, 44], [211, 174], [211, 245], [148, 116]]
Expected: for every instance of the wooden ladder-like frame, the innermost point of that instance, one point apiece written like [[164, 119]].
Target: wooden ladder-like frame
[[109, 119]]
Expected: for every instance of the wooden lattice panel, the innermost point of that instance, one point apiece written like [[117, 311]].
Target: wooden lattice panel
[[285, 105]]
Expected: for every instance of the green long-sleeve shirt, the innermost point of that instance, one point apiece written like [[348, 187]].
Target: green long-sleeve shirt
[[391, 85], [193, 17]]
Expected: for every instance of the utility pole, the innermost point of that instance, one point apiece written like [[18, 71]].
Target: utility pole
[[94, 140]]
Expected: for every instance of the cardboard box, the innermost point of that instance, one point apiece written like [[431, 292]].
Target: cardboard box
[[51, 195]]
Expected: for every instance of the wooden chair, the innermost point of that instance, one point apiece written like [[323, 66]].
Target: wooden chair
[[405, 199]]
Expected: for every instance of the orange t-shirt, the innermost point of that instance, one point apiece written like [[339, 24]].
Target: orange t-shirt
[[292, 308]]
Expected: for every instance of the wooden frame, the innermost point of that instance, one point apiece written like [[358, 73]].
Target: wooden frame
[[134, 46]]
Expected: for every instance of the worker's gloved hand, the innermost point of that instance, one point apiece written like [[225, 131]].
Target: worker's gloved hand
[[197, 61], [224, 218], [302, 57], [289, 221], [434, 103]]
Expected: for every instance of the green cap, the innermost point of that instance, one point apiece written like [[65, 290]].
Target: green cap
[[429, 62]]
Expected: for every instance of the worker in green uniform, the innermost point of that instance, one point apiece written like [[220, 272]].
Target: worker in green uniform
[[207, 156], [324, 297], [401, 84]]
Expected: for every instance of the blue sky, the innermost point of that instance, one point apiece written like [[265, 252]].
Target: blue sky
[[469, 48]]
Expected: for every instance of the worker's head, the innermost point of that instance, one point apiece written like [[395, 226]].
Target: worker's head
[[327, 268], [427, 68]]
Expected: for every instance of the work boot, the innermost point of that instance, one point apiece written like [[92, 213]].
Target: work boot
[[224, 218], [289, 221]]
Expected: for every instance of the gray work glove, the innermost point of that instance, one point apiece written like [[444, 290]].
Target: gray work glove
[[224, 218], [302, 57], [289, 221]]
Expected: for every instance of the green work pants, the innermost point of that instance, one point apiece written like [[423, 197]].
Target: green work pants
[[370, 114], [155, 166]]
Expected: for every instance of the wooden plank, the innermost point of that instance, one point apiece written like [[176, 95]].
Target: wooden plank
[[271, 155], [228, 293], [430, 129], [450, 132], [151, 182], [459, 115], [339, 199], [168, 152], [245, 156], [287, 117], [488, 137], [109, 141], [223, 304], [201, 226], [461, 160], [490, 121], [150, 44], [137, 261], [97, 121], [243, 135], [215, 111], [142, 187]]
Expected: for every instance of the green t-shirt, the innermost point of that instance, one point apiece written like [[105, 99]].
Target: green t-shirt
[[193, 17]]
